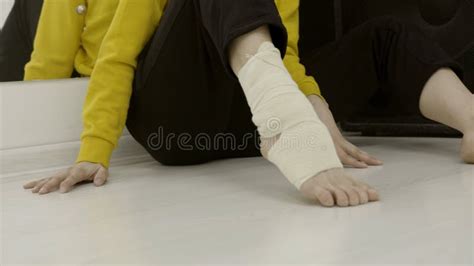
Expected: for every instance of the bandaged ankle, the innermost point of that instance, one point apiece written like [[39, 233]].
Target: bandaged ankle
[[279, 108]]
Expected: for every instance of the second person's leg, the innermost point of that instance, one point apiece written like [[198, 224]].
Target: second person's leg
[[383, 63], [446, 99], [393, 67]]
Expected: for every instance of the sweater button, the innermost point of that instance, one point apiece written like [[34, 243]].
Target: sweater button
[[81, 9]]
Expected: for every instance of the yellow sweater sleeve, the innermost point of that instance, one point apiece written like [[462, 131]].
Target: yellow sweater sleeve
[[110, 86], [289, 12], [52, 57]]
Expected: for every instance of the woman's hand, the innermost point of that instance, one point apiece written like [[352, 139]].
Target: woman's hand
[[65, 180], [348, 153]]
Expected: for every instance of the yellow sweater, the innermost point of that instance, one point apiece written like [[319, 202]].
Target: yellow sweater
[[104, 42]]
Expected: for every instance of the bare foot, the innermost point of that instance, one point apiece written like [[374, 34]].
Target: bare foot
[[467, 147], [332, 187], [336, 187]]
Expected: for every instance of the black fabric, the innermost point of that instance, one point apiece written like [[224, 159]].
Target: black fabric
[[450, 23], [317, 25], [16, 38], [184, 84], [380, 67]]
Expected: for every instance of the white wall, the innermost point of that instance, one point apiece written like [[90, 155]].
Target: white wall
[[41, 112], [5, 7]]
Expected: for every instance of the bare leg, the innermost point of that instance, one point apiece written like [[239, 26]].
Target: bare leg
[[245, 46], [331, 187], [446, 99]]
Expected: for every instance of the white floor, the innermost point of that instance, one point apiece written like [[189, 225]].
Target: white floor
[[238, 211]]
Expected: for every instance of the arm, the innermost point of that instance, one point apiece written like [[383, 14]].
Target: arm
[[110, 87], [289, 12], [53, 57], [107, 101]]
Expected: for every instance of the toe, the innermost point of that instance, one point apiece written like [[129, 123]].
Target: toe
[[352, 195], [373, 195], [324, 197], [467, 148], [363, 195], [341, 197]]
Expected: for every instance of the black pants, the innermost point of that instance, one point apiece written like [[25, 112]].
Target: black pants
[[378, 68], [17, 37], [187, 107]]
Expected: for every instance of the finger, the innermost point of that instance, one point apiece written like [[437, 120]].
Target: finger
[[347, 159], [31, 184], [341, 197], [39, 185], [352, 195], [51, 181], [323, 196], [340, 152], [70, 182], [369, 159], [351, 161], [101, 177], [363, 195], [51, 186], [76, 175], [361, 155]]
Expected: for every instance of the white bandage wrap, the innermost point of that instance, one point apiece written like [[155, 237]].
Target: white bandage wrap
[[305, 147]]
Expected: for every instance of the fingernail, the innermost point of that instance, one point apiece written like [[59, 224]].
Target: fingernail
[[43, 190]]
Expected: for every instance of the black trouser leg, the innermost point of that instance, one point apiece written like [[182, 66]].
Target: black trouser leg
[[383, 64], [16, 38], [187, 106]]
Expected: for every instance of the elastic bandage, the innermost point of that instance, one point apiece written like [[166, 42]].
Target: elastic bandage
[[305, 147]]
